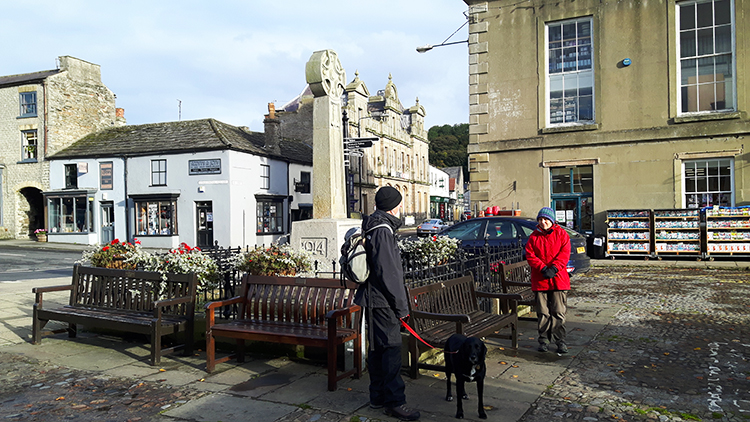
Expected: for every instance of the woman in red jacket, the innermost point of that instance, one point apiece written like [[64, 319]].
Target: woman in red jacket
[[548, 253]]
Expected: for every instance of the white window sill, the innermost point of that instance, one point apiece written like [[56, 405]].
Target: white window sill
[[689, 118]]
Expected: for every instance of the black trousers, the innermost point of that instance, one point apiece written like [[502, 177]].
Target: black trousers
[[384, 358]]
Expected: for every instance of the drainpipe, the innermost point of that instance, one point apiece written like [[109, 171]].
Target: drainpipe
[[44, 93], [127, 207]]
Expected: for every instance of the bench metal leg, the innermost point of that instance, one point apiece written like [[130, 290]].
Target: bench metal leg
[[72, 330], [358, 357]]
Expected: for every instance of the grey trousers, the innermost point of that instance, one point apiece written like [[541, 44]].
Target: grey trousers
[[551, 307]]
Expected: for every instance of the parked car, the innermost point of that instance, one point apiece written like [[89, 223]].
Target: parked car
[[433, 226], [506, 231]]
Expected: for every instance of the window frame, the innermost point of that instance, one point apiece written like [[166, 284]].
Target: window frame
[[71, 176], [718, 161], [164, 226], [26, 146], [159, 174], [263, 227], [76, 224], [265, 176], [305, 177], [697, 57], [24, 105], [547, 75]]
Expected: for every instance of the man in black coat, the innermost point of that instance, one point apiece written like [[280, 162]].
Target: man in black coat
[[384, 296]]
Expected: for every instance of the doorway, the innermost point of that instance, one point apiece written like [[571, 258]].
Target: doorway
[[107, 222], [204, 224], [573, 197], [575, 213]]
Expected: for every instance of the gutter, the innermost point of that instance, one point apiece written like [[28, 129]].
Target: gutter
[[127, 205]]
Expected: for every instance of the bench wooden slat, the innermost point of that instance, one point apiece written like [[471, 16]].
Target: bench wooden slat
[[125, 300], [291, 311], [438, 310]]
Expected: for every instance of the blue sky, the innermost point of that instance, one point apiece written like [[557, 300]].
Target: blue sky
[[229, 59]]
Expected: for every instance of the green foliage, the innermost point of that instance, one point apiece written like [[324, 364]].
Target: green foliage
[[448, 146]]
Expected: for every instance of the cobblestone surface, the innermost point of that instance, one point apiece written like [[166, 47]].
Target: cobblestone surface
[[678, 350], [31, 390]]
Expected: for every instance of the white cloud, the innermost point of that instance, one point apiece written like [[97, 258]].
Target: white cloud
[[228, 59]]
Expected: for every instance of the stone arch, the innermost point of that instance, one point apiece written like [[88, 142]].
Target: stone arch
[[30, 212]]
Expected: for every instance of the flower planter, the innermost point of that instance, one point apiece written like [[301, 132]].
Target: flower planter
[[41, 237]]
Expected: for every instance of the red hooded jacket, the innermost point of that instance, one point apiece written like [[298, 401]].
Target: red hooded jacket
[[550, 248]]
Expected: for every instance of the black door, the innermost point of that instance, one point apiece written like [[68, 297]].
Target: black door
[[205, 223]]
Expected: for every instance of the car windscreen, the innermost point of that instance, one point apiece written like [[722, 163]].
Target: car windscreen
[[468, 230]]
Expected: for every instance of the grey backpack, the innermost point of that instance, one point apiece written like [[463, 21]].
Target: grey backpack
[[353, 259]]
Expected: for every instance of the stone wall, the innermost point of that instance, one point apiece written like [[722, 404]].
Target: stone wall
[[76, 104]]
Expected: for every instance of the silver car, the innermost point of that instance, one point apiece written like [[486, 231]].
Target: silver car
[[433, 226]]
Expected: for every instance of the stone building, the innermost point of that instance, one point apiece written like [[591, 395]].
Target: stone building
[[589, 106], [398, 159], [42, 113]]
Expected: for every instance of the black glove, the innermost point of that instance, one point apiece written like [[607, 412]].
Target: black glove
[[549, 271]]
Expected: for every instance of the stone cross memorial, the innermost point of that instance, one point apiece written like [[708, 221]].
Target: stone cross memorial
[[323, 235]]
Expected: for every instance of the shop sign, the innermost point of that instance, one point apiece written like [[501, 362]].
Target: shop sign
[[197, 167]]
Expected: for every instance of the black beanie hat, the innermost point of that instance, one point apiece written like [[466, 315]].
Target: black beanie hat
[[387, 198]]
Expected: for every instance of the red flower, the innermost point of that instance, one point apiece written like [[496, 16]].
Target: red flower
[[105, 248], [197, 249], [116, 241], [137, 242]]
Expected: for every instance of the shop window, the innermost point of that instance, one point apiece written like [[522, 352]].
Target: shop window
[[27, 101], [158, 172], [270, 214], [156, 217], [570, 74], [706, 56], [71, 176], [29, 144], [579, 179], [708, 183], [265, 176], [70, 214]]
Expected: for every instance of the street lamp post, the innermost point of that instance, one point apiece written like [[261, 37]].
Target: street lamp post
[[428, 47]]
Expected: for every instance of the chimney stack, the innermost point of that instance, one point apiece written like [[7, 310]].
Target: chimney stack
[[271, 127], [120, 117]]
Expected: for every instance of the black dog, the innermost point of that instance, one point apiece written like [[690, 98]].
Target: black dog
[[464, 357]]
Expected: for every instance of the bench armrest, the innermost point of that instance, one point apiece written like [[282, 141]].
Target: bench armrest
[[219, 303], [336, 313], [39, 291], [463, 318]]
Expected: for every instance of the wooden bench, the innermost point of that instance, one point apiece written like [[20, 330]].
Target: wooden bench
[[315, 312], [441, 309], [515, 279], [131, 301]]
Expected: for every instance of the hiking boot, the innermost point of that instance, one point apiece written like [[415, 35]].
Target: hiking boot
[[402, 413], [543, 347], [562, 348]]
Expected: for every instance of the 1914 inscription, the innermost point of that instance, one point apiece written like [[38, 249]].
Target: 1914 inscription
[[316, 246]]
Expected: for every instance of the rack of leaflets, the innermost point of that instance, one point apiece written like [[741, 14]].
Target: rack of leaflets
[[629, 233], [727, 231], [677, 232]]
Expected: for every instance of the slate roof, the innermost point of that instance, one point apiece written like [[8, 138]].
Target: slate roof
[[26, 78], [180, 137]]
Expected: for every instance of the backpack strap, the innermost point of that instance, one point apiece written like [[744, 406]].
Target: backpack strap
[[386, 225]]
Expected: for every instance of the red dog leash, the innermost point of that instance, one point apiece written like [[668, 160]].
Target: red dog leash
[[417, 336]]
